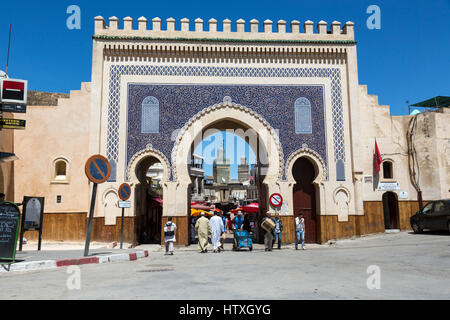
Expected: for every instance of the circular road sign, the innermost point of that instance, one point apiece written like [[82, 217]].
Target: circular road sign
[[124, 192], [98, 169], [276, 200]]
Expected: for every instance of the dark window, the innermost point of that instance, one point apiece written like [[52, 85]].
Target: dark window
[[59, 199], [387, 170]]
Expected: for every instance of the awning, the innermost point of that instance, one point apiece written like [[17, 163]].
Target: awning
[[7, 157], [436, 102]]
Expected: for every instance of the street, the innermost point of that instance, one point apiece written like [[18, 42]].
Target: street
[[411, 267]]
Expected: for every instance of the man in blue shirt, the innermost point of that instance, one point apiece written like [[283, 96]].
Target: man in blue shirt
[[238, 221]]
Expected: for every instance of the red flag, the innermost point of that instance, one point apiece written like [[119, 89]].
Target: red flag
[[377, 158]]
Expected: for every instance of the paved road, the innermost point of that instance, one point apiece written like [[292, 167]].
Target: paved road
[[411, 266]]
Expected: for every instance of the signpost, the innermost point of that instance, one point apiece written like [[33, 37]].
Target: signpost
[[32, 218], [13, 98], [12, 124], [13, 108], [124, 195], [9, 232], [276, 200], [98, 171]]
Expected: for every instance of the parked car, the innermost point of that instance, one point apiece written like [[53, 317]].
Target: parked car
[[434, 216]]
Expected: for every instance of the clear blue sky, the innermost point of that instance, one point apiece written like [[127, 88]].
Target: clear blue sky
[[235, 147], [408, 59]]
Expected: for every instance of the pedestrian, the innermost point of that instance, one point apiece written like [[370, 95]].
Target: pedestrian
[[218, 230], [203, 230], [224, 220], [230, 223], [278, 229], [225, 226], [246, 225], [300, 231], [238, 222], [169, 236], [192, 230], [268, 235]]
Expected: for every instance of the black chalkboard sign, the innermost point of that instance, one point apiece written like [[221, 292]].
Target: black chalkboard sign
[[9, 230]]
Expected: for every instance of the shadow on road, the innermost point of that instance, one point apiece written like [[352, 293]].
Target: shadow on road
[[432, 233]]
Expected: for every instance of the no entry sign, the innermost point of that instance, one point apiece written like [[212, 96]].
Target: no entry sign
[[98, 169], [124, 192], [276, 200]]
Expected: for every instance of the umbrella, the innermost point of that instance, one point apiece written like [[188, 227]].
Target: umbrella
[[251, 208], [197, 213], [200, 207], [235, 211]]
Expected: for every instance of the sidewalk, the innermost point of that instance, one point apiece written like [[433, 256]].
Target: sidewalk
[[60, 254]]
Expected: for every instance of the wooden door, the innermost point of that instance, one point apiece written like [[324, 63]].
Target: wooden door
[[305, 197], [391, 210]]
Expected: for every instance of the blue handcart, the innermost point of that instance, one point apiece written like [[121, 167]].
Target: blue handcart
[[242, 239]]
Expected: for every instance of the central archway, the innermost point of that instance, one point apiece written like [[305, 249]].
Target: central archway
[[220, 117], [192, 132]]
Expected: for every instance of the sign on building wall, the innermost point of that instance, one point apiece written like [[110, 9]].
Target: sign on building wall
[[388, 186], [13, 91], [403, 195], [12, 124]]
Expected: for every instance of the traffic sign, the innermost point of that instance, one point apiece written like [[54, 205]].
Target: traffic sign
[[13, 108], [12, 124], [98, 169], [276, 200], [124, 192], [13, 91], [124, 204]]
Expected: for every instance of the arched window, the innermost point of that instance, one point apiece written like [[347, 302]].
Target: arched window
[[150, 115], [388, 172], [303, 119], [60, 170]]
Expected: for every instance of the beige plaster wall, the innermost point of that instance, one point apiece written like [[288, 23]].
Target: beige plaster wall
[[55, 132], [7, 168], [432, 141]]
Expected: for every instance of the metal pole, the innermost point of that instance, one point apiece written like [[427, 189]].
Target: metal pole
[[121, 232], [91, 217], [9, 46]]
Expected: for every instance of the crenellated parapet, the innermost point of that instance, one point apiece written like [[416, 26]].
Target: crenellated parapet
[[239, 31]]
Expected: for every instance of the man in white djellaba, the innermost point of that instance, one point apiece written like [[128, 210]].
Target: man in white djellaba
[[217, 231]]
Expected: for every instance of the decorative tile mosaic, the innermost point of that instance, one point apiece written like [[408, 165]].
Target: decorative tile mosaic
[[272, 99], [181, 102]]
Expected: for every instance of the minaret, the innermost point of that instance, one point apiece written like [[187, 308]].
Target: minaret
[[221, 167]]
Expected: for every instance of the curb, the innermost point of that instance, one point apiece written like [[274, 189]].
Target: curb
[[54, 264]]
